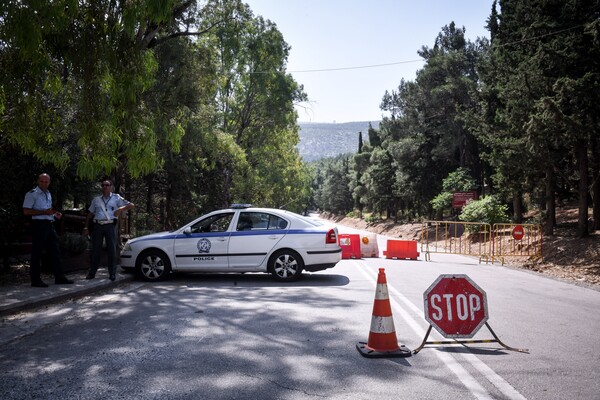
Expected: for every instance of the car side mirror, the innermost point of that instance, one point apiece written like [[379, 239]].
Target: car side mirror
[[187, 231]]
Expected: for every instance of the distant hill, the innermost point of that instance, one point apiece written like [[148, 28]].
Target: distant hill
[[323, 140]]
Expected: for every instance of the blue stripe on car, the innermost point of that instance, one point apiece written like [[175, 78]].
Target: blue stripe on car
[[240, 233]]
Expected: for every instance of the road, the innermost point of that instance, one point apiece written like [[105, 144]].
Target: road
[[247, 337]]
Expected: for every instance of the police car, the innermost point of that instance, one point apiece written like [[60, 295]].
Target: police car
[[239, 239]]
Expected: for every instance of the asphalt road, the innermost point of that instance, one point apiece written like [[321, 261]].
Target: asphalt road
[[248, 337]]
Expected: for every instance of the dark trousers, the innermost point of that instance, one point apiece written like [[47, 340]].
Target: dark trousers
[[109, 233], [44, 237]]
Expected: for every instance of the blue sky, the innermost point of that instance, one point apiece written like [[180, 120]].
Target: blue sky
[[346, 35]]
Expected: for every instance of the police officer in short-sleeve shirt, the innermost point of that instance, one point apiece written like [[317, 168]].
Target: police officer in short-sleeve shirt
[[104, 213], [38, 205]]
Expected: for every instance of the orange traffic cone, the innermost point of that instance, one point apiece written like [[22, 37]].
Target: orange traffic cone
[[382, 336]]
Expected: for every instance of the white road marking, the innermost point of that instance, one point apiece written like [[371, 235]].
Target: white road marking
[[463, 375]]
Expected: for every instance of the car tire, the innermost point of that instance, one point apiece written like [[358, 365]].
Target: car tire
[[286, 265], [153, 266]]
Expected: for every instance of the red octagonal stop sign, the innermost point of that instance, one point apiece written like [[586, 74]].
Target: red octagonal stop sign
[[455, 306]]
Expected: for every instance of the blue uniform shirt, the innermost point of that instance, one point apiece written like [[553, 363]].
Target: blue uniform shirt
[[37, 199], [110, 204]]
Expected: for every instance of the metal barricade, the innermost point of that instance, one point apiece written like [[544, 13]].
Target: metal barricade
[[517, 240], [453, 237]]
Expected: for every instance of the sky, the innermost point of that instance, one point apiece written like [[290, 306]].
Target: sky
[[347, 53]]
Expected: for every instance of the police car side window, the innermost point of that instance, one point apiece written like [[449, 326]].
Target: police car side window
[[255, 221], [277, 223], [244, 222], [214, 223]]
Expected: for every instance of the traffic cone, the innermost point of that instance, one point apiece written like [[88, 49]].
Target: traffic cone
[[382, 336]]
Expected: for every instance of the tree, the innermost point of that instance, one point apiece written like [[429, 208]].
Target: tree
[[426, 135], [254, 98], [360, 164], [332, 185], [543, 56], [457, 181], [74, 75]]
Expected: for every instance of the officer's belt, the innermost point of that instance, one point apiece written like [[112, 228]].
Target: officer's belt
[[103, 221]]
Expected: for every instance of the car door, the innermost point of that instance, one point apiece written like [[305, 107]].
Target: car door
[[204, 246], [255, 235]]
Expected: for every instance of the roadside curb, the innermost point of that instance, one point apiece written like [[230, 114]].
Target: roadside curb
[[25, 297]]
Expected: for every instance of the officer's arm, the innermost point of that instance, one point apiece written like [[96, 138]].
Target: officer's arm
[[31, 211]]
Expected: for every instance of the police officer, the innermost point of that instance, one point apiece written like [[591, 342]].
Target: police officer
[[38, 205], [104, 213]]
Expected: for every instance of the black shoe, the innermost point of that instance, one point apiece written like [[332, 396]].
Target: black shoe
[[62, 280], [38, 284], [90, 276], [112, 277]]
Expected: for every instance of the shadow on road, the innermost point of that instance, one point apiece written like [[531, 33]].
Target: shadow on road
[[256, 279]]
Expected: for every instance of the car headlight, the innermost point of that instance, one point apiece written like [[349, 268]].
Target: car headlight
[[127, 247]]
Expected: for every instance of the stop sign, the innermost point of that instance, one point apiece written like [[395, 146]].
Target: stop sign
[[455, 306]]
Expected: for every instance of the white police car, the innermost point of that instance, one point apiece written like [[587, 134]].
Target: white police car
[[239, 239]]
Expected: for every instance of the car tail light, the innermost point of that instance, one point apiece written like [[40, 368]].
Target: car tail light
[[331, 237]]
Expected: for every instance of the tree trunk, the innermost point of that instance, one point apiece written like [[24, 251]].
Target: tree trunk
[[227, 184], [582, 161], [150, 194], [517, 208], [595, 168], [550, 201]]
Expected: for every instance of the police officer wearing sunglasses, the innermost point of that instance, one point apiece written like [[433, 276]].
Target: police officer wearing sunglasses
[[104, 213]]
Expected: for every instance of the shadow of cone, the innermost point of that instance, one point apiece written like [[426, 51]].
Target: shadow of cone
[[382, 340]]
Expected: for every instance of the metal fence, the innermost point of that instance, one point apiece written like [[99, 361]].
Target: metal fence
[[517, 240], [451, 237], [481, 240]]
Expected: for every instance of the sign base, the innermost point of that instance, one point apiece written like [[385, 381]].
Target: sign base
[[495, 340]]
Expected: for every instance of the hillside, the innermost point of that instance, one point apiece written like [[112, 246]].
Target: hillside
[[323, 140]]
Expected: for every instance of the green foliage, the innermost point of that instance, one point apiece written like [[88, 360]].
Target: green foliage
[[331, 185], [73, 243], [95, 89], [488, 210], [442, 201], [513, 111], [187, 125], [352, 214], [74, 87], [373, 219], [457, 181]]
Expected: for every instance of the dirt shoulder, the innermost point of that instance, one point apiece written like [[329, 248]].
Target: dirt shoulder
[[564, 255]]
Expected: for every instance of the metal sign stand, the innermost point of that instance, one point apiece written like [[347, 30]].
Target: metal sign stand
[[495, 340]]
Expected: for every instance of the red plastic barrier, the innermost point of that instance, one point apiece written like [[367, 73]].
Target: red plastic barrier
[[401, 249], [350, 245]]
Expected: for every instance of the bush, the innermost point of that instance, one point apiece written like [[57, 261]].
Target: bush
[[73, 243], [352, 214], [457, 181], [442, 201], [488, 210], [371, 219]]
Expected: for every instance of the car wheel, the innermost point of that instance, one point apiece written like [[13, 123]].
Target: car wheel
[[153, 265], [286, 265]]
